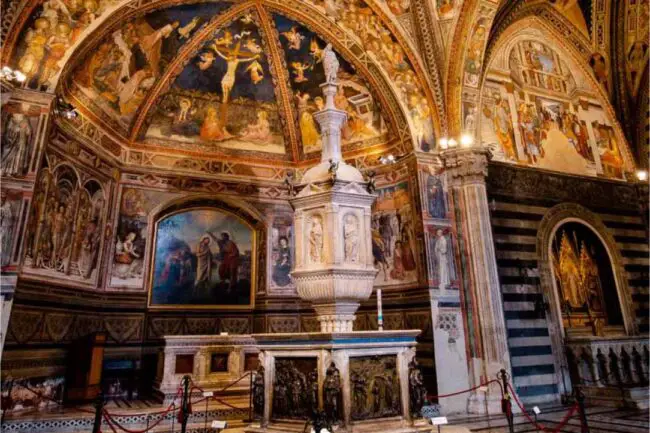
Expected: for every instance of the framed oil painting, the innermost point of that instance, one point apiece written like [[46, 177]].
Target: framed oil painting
[[203, 258]]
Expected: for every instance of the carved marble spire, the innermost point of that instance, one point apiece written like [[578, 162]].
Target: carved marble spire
[[334, 267]]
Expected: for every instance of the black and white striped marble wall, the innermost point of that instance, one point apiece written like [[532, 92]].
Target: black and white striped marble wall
[[519, 200]]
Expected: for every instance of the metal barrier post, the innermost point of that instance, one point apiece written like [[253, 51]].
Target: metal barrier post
[[506, 403], [250, 397], [99, 410], [184, 404], [580, 398]]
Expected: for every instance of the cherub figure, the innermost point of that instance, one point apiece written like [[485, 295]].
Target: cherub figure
[[252, 46], [299, 70], [185, 31], [294, 38], [315, 50], [247, 19], [256, 71]]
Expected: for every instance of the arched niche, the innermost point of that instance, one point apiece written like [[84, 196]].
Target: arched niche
[[580, 229], [205, 252]]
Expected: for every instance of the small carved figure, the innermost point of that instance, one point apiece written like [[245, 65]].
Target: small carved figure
[[312, 399], [330, 64], [316, 239], [370, 178], [351, 238], [332, 388], [6, 229], [258, 392], [334, 166], [417, 390], [280, 401], [359, 392], [290, 183], [297, 396]]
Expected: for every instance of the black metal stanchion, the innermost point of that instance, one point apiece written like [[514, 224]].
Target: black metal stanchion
[[184, 404], [148, 416], [99, 410], [580, 398], [250, 398], [205, 427], [506, 403], [173, 417]]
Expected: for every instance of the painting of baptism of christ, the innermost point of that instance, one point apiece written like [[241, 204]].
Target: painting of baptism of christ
[[203, 258]]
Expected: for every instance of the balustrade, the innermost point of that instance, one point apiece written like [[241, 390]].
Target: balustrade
[[619, 362]]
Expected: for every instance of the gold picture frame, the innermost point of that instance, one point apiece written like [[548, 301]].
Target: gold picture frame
[[154, 256]]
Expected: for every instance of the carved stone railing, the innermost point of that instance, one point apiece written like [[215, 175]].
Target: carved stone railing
[[598, 362]]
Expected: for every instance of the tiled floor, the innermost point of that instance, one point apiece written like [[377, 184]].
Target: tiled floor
[[600, 420]]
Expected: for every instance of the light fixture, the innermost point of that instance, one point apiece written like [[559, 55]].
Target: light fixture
[[388, 159], [452, 142], [6, 73], [466, 140], [444, 142], [642, 175]]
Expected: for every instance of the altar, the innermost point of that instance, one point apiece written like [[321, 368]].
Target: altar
[[212, 361], [354, 378]]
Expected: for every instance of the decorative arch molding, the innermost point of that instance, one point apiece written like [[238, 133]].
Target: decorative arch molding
[[579, 57], [239, 208], [546, 13], [455, 89], [506, 13], [552, 221]]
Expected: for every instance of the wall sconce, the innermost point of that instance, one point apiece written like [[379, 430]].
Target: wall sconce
[[6, 73], [642, 175], [390, 159], [466, 140]]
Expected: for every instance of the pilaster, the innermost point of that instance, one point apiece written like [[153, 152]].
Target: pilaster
[[466, 171]]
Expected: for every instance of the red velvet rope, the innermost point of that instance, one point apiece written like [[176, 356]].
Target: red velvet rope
[[110, 420], [431, 397], [557, 429]]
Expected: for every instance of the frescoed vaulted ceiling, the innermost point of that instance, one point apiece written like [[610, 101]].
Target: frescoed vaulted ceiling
[[229, 78], [220, 79]]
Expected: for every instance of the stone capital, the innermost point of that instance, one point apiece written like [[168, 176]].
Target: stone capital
[[465, 165]]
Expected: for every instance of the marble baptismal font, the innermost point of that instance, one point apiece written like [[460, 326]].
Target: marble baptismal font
[[345, 378]]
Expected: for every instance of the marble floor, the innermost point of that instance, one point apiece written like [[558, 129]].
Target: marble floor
[[599, 420], [130, 414]]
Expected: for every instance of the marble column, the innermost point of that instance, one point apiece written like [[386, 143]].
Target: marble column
[[466, 170]]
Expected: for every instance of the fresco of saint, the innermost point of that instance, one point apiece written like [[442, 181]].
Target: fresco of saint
[[502, 124]]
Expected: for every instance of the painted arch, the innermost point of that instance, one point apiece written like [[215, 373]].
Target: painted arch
[[540, 106]]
